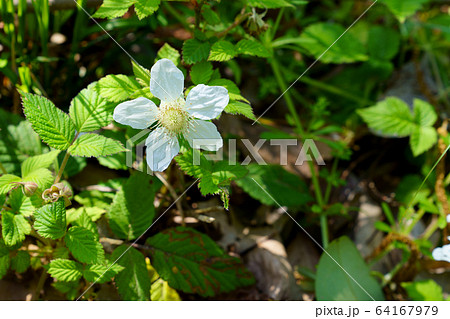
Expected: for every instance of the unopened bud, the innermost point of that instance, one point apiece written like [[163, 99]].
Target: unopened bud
[[29, 188]]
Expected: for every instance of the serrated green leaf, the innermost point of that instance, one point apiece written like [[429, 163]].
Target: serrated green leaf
[[201, 72], [24, 205], [20, 262], [252, 47], [233, 90], [383, 43], [53, 125], [94, 145], [89, 111], [333, 283], [212, 175], [142, 74], [83, 220], [133, 282], [117, 88], [210, 16], [195, 51], [222, 51], [424, 113], [65, 270], [192, 262], [41, 176], [424, 290], [17, 143], [318, 37], [168, 52], [269, 4], [422, 139], [237, 107], [94, 213], [144, 8], [101, 273], [50, 220], [6, 183], [286, 188], [83, 245], [113, 8], [14, 228], [4, 265], [403, 9], [391, 117], [143, 92], [132, 210], [39, 161]]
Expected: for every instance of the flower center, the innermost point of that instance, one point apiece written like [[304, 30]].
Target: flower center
[[173, 117]]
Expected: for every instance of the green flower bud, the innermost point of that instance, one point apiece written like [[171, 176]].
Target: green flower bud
[[29, 188]]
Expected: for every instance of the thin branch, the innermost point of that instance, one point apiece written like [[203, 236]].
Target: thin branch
[[173, 193]]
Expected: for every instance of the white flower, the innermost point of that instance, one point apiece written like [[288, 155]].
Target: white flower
[[175, 117], [442, 253]]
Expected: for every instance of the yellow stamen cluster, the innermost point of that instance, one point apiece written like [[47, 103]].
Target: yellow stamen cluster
[[173, 117]]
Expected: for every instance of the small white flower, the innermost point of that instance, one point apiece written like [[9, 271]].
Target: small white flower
[[442, 253], [448, 219], [175, 116]]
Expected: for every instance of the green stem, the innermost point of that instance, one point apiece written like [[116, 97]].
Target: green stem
[[315, 180], [277, 23], [287, 96], [324, 230], [330, 185], [40, 285], [198, 13], [418, 216], [336, 90], [3, 169], [63, 166]]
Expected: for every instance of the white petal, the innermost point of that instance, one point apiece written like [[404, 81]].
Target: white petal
[[139, 113], [207, 102], [161, 149], [204, 135], [166, 81], [442, 253]]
